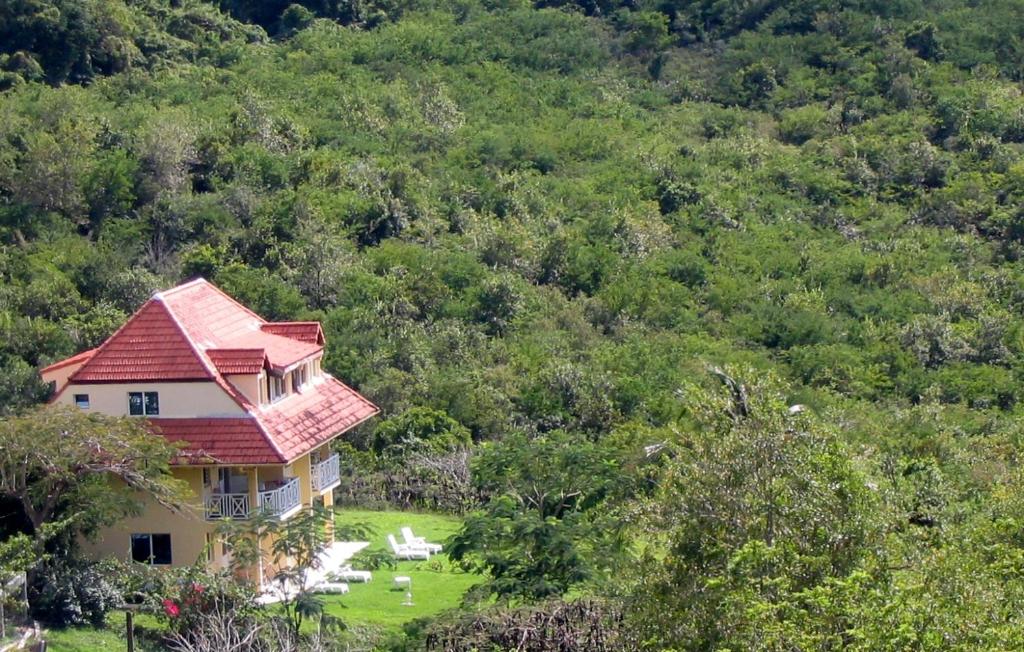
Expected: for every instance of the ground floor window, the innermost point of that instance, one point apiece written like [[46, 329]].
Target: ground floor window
[[151, 548]]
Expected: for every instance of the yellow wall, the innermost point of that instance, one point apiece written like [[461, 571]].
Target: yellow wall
[[248, 385], [188, 529], [300, 469], [198, 399]]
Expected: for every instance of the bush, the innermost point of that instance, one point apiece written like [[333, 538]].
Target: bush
[[73, 592]]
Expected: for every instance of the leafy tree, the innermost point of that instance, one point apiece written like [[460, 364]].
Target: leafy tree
[[65, 466], [758, 502], [543, 529], [419, 429]]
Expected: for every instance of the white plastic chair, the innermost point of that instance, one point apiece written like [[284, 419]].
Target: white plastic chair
[[405, 551], [412, 540], [345, 573]]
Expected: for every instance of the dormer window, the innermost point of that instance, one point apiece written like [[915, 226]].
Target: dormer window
[[143, 403], [300, 377], [275, 387]]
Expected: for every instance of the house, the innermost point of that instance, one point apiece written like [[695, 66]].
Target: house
[[247, 398]]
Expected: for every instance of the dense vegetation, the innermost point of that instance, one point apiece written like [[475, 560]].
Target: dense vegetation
[[533, 228]]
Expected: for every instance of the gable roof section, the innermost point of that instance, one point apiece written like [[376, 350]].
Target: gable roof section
[[150, 346], [277, 434], [237, 361], [282, 352], [213, 320], [304, 331]]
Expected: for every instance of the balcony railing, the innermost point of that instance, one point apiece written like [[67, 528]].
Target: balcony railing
[[282, 500], [218, 506], [326, 474]]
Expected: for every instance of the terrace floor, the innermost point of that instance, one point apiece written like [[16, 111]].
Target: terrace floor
[[331, 559]]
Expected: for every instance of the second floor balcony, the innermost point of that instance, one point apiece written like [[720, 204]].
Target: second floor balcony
[[326, 475], [281, 501]]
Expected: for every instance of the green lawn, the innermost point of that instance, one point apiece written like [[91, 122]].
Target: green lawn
[[110, 639], [436, 585]]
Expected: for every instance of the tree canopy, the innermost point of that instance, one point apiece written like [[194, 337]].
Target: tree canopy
[[529, 229], [64, 466]]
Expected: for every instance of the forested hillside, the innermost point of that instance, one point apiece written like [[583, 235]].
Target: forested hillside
[[573, 230]]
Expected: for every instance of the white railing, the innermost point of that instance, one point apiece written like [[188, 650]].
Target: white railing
[[326, 474], [281, 500], [218, 506]]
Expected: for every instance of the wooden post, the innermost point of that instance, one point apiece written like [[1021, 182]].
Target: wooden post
[[129, 626]]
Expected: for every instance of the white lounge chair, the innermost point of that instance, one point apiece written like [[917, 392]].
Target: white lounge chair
[[404, 551], [346, 574], [332, 587], [412, 540]]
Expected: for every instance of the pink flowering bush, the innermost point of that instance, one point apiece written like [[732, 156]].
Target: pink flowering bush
[[186, 599]]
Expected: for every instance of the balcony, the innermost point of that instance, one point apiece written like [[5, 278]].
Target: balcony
[[282, 501], [326, 475], [218, 506]]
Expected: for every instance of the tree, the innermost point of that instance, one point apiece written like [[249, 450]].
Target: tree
[[419, 429], [59, 462], [546, 526], [758, 503]]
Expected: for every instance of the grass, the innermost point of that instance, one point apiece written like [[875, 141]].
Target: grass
[[110, 638], [436, 585]]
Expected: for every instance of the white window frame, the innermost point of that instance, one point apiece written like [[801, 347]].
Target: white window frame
[[152, 558], [276, 388]]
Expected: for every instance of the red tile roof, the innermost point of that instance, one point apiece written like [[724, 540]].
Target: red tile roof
[[75, 359], [225, 441], [237, 361], [196, 332], [306, 420], [282, 352], [149, 347], [304, 331]]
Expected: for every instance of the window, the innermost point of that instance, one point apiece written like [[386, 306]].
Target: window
[[140, 403], [275, 387], [299, 377], [151, 548], [209, 546], [82, 401]]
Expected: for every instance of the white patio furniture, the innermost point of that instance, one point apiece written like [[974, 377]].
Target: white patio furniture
[[340, 588], [346, 574], [402, 581], [412, 540], [405, 551]]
